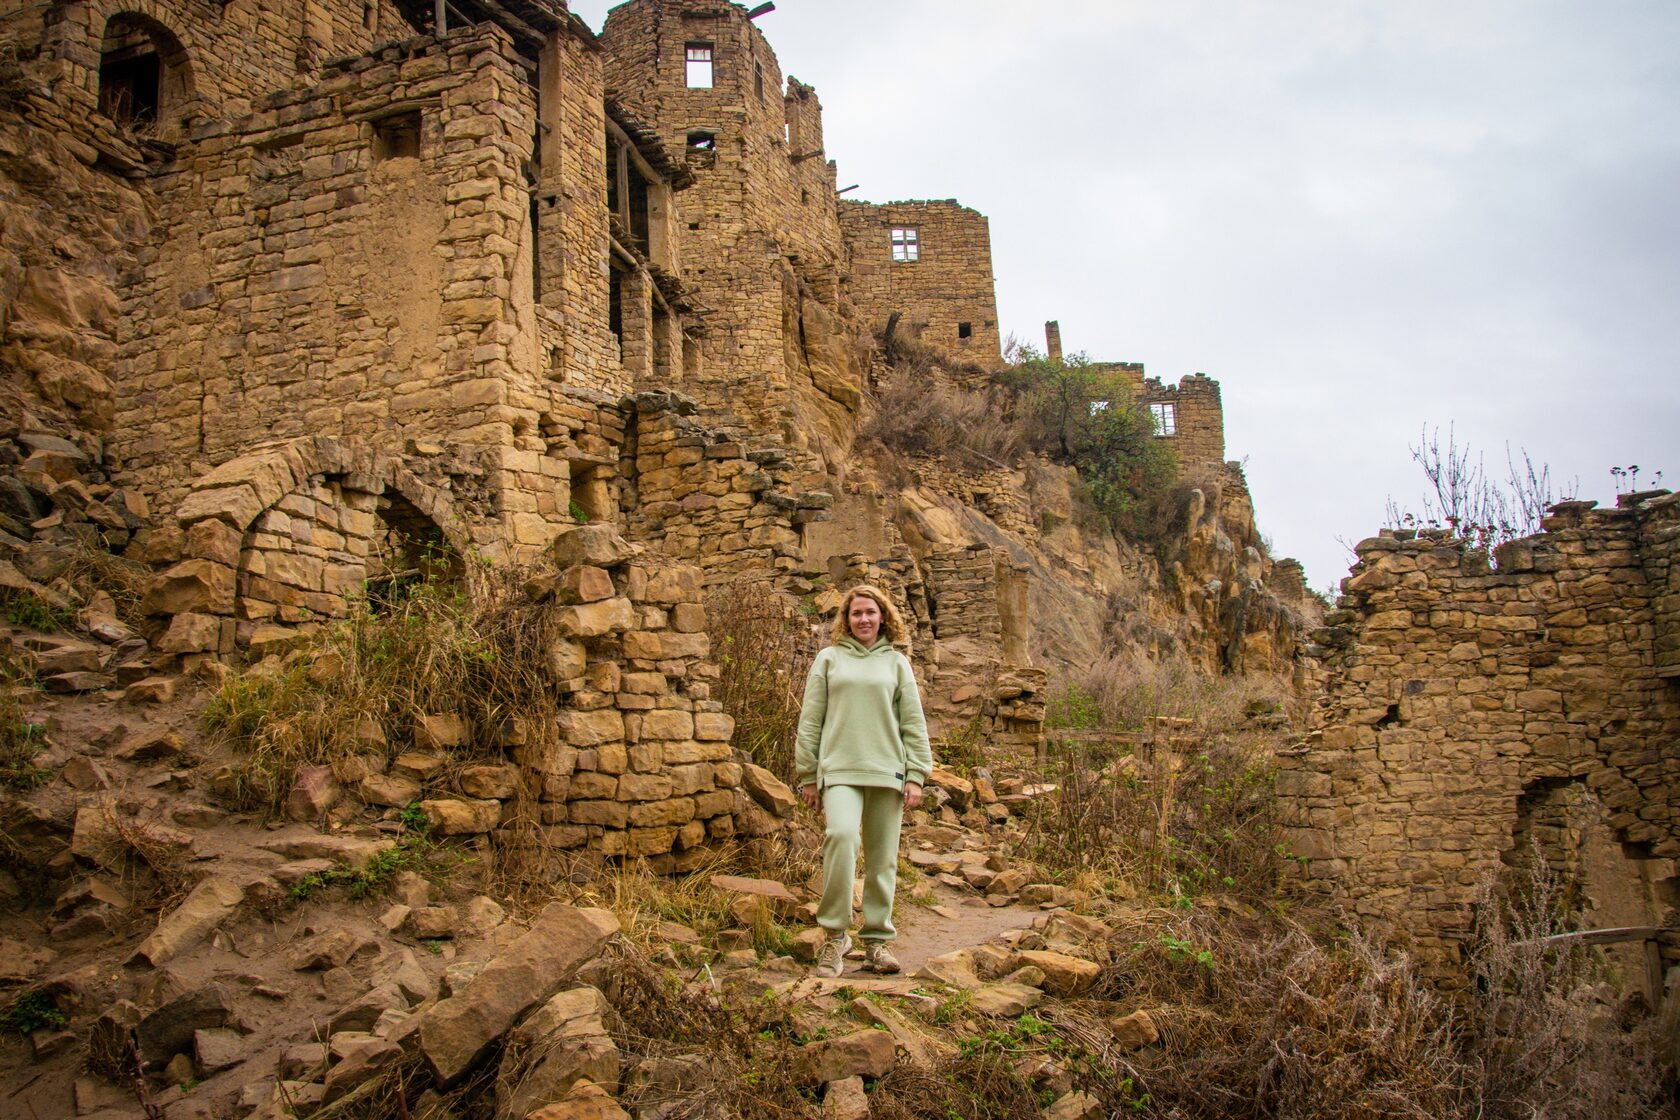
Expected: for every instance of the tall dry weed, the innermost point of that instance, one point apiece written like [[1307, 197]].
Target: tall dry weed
[[919, 411], [1544, 1038], [481, 651], [763, 646]]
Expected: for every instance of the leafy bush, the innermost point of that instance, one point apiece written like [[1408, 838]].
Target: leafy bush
[[1084, 414]]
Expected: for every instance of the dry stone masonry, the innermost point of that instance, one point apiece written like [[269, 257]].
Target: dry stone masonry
[[1471, 711], [337, 296]]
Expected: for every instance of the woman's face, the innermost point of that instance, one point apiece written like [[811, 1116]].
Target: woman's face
[[864, 619]]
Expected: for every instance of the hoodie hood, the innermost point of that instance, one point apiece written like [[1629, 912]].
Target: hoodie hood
[[857, 649]]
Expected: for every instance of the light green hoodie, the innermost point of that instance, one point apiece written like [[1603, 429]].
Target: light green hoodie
[[861, 723]]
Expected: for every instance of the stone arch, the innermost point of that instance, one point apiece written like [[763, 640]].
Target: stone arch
[[146, 77], [281, 538]]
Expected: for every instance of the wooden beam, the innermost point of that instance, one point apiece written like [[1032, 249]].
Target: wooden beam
[[626, 144]]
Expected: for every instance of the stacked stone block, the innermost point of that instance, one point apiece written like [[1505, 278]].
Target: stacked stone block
[[234, 52], [1455, 691], [948, 285], [1660, 548], [643, 766], [760, 235], [730, 508], [962, 593]]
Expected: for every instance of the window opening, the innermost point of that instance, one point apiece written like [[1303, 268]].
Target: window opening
[[758, 78], [615, 308], [1097, 408], [702, 142], [1165, 416], [397, 137], [905, 245], [699, 73], [965, 330]]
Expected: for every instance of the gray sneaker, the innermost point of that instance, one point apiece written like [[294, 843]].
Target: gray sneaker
[[831, 961], [878, 958]]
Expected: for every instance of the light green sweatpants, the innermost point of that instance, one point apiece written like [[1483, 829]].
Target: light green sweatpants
[[876, 813]]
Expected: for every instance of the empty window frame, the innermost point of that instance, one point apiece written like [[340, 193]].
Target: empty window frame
[[965, 330], [906, 246], [1165, 416], [699, 64]]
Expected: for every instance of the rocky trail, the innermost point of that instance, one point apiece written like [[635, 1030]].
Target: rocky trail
[[166, 954]]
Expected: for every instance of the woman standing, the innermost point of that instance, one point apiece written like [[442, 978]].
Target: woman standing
[[863, 753]]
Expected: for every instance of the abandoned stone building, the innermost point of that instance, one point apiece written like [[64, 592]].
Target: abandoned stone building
[[378, 294], [1479, 717]]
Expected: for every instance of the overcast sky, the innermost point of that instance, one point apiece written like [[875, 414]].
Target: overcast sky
[[1359, 217]]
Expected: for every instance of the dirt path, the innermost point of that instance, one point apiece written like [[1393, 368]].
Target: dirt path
[[923, 933]]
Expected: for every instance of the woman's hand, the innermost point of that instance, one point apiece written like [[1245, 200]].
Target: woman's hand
[[912, 795], [808, 794]]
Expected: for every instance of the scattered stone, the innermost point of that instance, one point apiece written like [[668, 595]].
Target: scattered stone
[[169, 1030], [313, 792], [1134, 1030], [769, 791], [216, 1049], [441, 732], [846, 1100], [179, 1070], [360, 1014], [561, 1043], [324, 950], [151, 690], [360, 1066], [1075, 1106], [585, 1101], [209, 904], [456, 1031], [866, 1053], [433, 923], [1004, 1000], [352, 851], [1064, 976], [480, 916], [781, 901], [453, 817]]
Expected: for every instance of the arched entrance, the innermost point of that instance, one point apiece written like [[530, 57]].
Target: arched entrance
[[145, 78]]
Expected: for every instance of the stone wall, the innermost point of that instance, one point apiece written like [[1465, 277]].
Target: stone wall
[[227, 54], [355, 257], [1197, 417], [948, 287], [760, 238], [1460, 699]]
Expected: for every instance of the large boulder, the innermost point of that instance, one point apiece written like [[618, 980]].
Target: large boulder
[[456, 1032]]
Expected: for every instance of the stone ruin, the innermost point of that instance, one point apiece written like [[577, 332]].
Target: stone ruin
[[340, 294], [1474, 716]]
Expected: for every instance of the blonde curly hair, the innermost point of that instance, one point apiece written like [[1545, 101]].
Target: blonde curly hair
[[892, 623]]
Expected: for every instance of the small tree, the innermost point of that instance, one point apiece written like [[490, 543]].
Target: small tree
[[1483, 510], [1084, 414]]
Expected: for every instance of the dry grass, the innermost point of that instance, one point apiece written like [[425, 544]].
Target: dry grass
[[763, 648], [480, 652], [1189, 813], [920, 409], [1541, 1039], [93, 569], [1258, 1019]]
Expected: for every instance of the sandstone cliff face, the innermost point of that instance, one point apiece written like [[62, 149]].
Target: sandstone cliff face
[[67, 231]]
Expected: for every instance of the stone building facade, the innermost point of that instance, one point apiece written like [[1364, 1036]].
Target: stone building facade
[[1188, 415], [391, 298], [930, 262], [1472, 711]]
